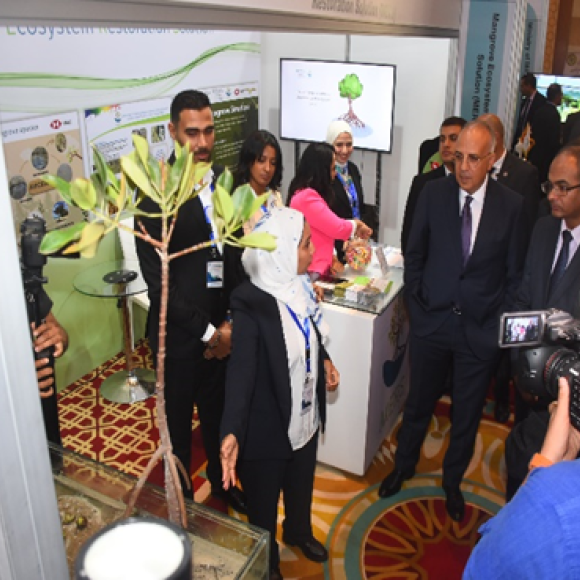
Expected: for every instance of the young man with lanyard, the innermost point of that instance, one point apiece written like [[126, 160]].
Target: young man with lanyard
[[198, 336]]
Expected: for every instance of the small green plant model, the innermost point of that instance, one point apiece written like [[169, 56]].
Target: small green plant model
[[351, 88], [110, 200]]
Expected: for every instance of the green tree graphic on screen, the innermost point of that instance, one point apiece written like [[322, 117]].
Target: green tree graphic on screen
[[351, 88]]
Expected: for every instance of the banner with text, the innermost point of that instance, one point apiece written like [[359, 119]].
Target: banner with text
[[484, 58]]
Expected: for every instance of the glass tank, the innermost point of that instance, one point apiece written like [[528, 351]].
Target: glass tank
[[91, 495]]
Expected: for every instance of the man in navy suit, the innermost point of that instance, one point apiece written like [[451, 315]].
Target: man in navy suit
[[448, 134], [531, 101], [538, 293], [462, 269], [198, 338]]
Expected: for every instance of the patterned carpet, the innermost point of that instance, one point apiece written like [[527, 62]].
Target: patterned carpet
[[405, 537]]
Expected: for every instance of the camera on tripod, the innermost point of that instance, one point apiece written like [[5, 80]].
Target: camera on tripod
[[32, 262], [551, 345]]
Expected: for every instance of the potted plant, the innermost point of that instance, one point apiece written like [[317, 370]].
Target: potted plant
[[110, 200]]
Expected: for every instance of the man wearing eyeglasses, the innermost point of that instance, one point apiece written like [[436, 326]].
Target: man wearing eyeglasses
[[463, 266], [448, 134], [548, 284]]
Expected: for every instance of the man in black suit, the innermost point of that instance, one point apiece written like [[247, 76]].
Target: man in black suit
[[539, 291], [198, 337], [571, 129], [521, 177], [448, 134], [462, 269], [546, 132], [530, 103]]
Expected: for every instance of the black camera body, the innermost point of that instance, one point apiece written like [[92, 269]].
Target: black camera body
[[549, 342], [32, 262]]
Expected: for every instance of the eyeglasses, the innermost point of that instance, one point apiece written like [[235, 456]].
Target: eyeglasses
[[471, 159], [560, 189]]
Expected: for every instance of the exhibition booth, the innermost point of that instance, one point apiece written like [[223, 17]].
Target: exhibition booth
[[73, 75]]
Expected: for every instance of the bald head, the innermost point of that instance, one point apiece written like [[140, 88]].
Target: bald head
[[496, 126]]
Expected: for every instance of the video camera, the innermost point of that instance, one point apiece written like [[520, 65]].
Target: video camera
[[552, 340]]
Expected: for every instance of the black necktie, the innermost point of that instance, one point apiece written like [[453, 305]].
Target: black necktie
[[561, 262], [466, 228]]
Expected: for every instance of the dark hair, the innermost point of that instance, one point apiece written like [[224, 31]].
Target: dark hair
[[530, 80], [251, 151], [554, 90], [454, 122], [190, 99], [572, 150], [314, 171]]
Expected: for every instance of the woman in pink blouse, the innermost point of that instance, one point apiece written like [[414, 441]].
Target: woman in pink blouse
[[311, 194]]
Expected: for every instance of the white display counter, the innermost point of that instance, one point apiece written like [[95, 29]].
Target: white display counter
[[368, 345]]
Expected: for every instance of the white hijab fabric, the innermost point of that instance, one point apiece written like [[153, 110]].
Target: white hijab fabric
[[276, 272], [335, 129]]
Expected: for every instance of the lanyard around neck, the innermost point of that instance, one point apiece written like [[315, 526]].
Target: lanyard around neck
[[350, 190], [305, 329], [206, 209]]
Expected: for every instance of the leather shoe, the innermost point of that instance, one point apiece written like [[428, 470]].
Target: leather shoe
[[310, 547], [501, 412], [275, 574], [234, 497], [455, 504], [393, 482]]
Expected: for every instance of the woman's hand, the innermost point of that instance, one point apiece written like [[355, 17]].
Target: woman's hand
[[332, 376], [229, 458], [362, 230], [319, 293], [562, 441]]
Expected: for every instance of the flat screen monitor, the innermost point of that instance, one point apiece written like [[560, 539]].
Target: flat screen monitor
[[570, 88], [313, 93]]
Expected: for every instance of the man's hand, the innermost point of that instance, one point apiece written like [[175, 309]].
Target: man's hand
[[229, 457], [45, 378], [562, 441], [48, 334], [222, 345], [332, 376]]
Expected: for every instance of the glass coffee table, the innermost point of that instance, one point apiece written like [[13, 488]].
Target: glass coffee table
[[119, 279]]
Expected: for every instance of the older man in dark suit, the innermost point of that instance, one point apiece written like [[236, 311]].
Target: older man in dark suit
[[448, 134], [462, 269], [553, 235], [522, 178]]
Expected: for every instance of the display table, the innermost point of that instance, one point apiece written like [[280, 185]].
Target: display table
[[223, 548], [368, 345], [119, 279]]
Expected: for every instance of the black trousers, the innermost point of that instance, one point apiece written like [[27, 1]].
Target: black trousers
[[201, 382], [262, 481], [431, 358]]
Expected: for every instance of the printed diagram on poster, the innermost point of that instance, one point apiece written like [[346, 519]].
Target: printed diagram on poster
[[36, 147], [110, 129]]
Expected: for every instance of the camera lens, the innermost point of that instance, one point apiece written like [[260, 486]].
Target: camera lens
[[560, 364]]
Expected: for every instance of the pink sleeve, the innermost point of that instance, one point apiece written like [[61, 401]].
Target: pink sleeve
[[320, 216]]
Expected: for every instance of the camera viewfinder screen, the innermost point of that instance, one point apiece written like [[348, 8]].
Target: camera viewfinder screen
[[521, 329]]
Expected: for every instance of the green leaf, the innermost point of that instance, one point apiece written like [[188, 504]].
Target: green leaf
[[243, 199], [62, 186], [174, 173], [102, 169], [136, 174], [258, 203], [222, 204], [262, 240], [226, 180], [83, 194], [57, 239], [142, 149], [89, 241]]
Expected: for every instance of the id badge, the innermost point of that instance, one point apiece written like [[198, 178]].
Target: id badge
[[307, 395], [215, 274]]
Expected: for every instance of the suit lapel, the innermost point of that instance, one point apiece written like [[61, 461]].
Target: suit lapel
[[570, 274], [453, 218]]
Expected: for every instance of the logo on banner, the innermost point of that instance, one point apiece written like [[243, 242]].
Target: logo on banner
[[56, 124]]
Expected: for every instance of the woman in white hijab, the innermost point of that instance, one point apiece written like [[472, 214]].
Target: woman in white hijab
[[348, 202], [276, 385]]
